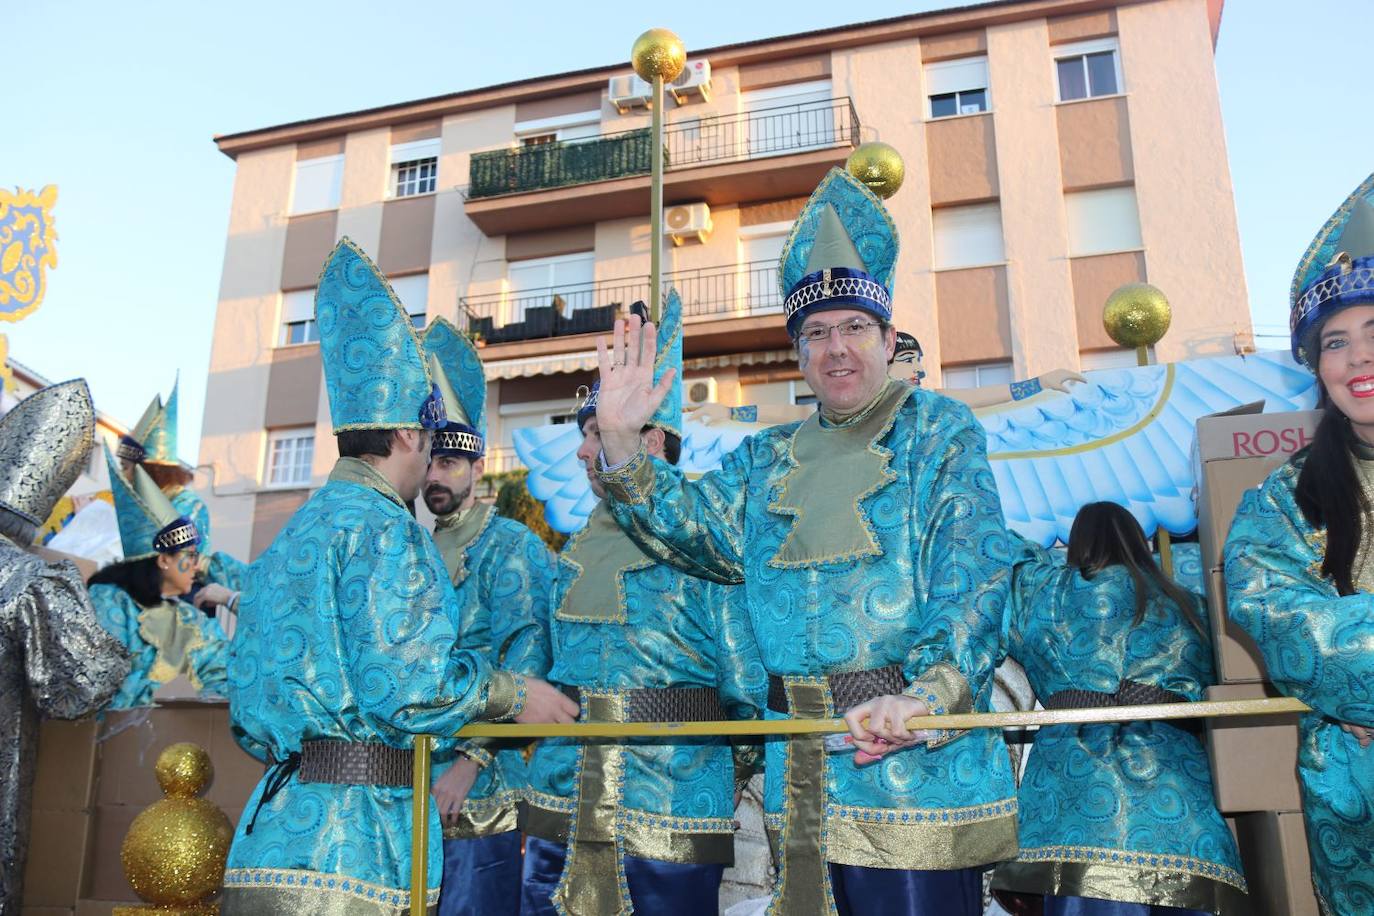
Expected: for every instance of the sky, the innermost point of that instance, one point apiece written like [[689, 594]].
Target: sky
[[118, 103]]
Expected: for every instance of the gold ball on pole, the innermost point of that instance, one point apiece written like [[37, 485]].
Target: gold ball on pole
[[175, 850], [1136, 315], [658, 52], [879, 166]]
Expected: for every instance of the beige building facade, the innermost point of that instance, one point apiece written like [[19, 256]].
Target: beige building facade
[[1054, 150]]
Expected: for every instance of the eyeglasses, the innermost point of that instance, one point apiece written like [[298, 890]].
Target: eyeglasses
[[815, 333]]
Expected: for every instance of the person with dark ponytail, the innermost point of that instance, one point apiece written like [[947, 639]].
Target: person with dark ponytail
[[1115, 819], [1300, 558]]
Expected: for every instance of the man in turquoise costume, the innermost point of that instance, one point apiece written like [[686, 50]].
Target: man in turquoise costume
[[510, 572], [348, 639], [1300, 565], [870, 542], [138, 599], [152, 446], [644, 826]]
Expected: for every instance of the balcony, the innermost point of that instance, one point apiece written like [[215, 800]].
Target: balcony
[[739, 158], [743, 296]]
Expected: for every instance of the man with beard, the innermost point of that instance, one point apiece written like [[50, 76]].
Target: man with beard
[[511, 572]]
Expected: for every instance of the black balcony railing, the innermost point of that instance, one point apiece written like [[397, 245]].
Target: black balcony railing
[[585, 308], [794, 128]]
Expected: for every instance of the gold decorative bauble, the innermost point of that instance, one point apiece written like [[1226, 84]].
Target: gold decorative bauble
[[658, 52], [184, 770], [1136, 315], [174, 852], [879, 166]]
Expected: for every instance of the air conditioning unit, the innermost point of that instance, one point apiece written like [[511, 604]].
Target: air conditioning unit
[[700, 391], [694, 80], [629, 91], [684, 221]]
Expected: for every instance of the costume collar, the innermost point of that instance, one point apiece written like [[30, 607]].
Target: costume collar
[[355, 470]]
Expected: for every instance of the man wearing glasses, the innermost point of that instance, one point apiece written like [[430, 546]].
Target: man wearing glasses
[[870, 542]]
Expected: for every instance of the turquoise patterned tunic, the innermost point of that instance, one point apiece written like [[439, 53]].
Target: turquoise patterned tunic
[[1319, 647], [347, 631], [621, 621], [510, 573], [1118, 812], [876, 542], [165, 640]]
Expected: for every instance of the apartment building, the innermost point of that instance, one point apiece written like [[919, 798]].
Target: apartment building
[[1054, 150]]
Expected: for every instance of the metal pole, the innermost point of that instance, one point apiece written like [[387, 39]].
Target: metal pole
[[1166, 549], [656, 207], [419, 828]]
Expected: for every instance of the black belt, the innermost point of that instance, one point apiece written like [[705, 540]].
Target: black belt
[[664, 704], [847, 689], [1130, 693], [356, 763]]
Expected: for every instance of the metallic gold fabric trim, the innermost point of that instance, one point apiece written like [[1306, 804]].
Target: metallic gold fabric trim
[[830, 476], [482, 817], [1155, 862], [633, 481], [600, 555], [290, 891], [921, 838], [456, 531], [685, 840], [355, 470], [803, 886], [1129, 884], [505, 696], [173, 641], [944, 689], [593, 879]]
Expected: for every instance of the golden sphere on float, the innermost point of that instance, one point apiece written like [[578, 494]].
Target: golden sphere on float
[[1137, 315], [658, 52], [879, 166], [175, 850]]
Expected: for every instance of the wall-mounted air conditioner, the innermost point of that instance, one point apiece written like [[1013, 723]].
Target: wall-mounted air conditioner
[[685, 221], [700, 391], [693, 81], [629, 91]]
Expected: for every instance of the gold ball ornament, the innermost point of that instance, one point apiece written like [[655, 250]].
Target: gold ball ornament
[[658, 52], [175, 850], [1136, 315], [879, 166]]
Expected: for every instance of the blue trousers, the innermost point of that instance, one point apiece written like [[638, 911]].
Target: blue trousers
[[482, 876], [655, 887], [1092, 906], [863, 891]]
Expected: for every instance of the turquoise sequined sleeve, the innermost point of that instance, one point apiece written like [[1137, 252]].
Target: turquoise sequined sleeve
[[222, 569], [1035, 573], [522, 590], [1315, 643]]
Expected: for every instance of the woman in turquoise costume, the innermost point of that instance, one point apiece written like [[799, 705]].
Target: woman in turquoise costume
[[137, 599], [152, 446], [1300, 558], [1116, 820]]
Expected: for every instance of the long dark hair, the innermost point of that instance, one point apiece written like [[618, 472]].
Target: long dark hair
[[1105, 534], [1329, 492], [140, 578]]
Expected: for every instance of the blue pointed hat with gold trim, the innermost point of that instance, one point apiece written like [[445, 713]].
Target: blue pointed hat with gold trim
[[1336, 271], [375, 369], [457, 370], [840, 254], [668, 334], [153, 440], [148, 523]]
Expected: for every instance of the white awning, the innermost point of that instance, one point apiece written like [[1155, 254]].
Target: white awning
[[584, 362]]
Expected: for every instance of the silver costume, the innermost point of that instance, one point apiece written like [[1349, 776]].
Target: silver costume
[[55, 659]]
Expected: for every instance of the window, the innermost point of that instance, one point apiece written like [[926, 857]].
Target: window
[[413, 291], [534, 283], [956, 87], [760, 248], [786, 119], [1102, 221], [1088, 69], [968, 236], [298, 318], [976, 376], [1108, 359], [414, 167], [568, 128], [317, 184], [289, 454]]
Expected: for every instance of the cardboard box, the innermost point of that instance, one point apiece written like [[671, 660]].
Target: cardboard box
[[104, 870], [1254, 758], [1235, 453], [1273, 849], [59, 844], [64, 773]]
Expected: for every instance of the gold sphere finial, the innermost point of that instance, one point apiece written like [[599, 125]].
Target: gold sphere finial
[[658, 52], [879, 166], [1136, 315], [175, 850]]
